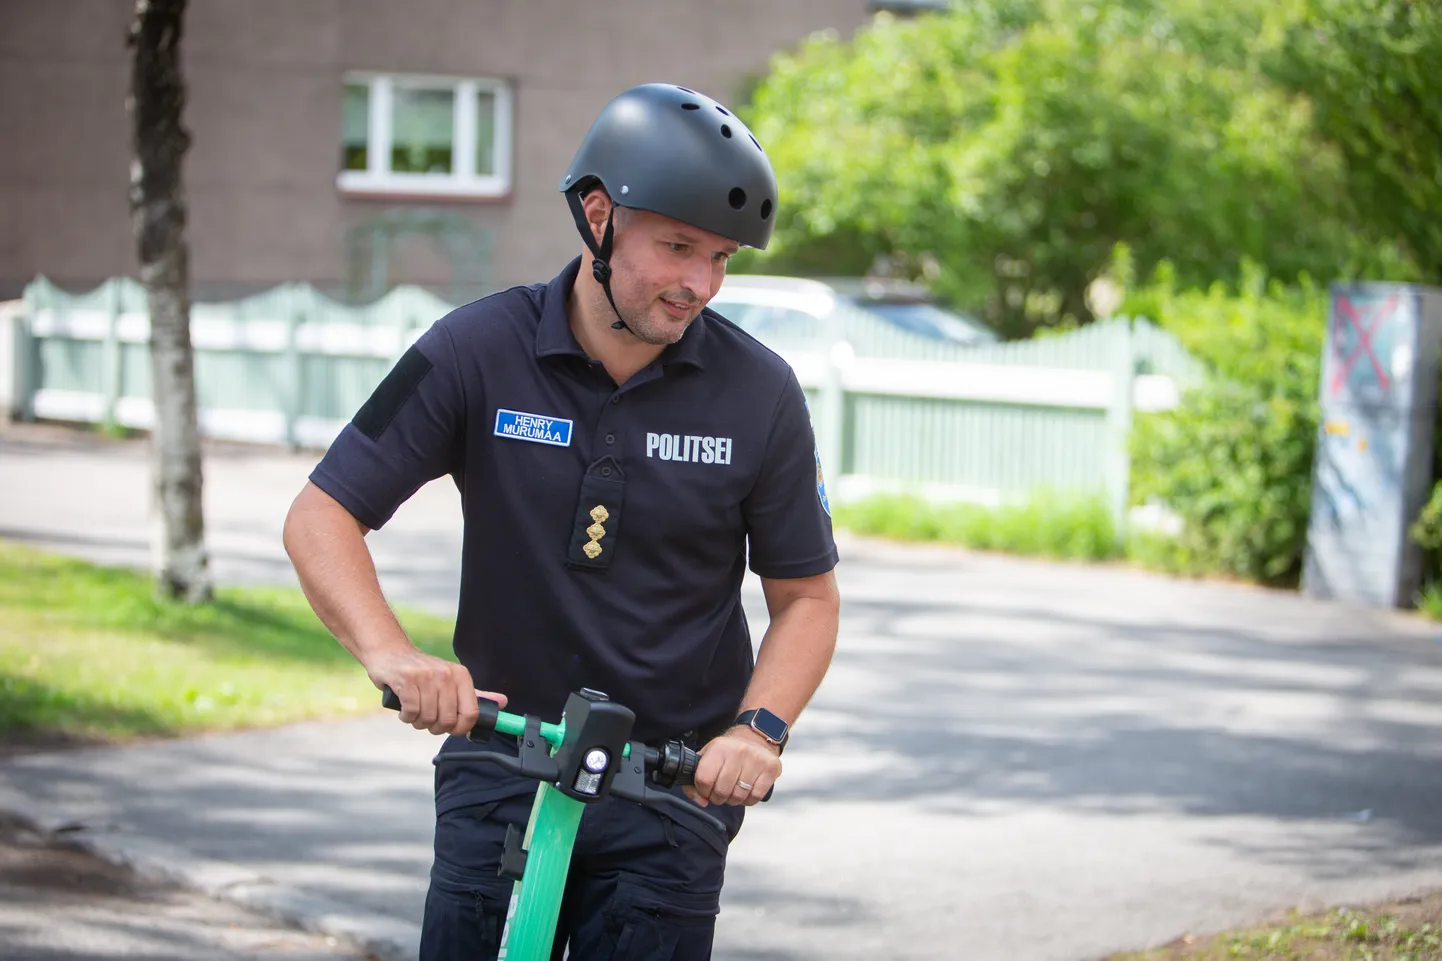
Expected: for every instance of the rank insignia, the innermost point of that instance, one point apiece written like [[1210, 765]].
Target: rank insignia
[[596, 527]]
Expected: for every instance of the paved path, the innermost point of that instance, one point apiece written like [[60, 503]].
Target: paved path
[[1009, 760], [59, 904]]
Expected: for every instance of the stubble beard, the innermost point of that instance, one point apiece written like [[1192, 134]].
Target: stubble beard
[[645, 328]]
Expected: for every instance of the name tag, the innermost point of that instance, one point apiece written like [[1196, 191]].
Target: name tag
[[537, 428]]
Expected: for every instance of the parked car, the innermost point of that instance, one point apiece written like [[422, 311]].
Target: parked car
[[762, 303]]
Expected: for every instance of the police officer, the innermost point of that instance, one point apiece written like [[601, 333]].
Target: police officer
[[622, 454]]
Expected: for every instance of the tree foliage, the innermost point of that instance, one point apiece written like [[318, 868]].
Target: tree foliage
[[999, 151], [1373, 70]]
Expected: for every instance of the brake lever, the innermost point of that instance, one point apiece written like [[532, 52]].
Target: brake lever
[[655, 799], [629, 782], [503, 761], [533, 760]]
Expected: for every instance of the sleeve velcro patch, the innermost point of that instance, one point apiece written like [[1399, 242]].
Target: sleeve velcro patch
[[392, 393]]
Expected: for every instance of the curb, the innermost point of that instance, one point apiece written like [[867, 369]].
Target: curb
[[384, 938]]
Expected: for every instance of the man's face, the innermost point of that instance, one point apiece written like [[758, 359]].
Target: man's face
[[664, 272]]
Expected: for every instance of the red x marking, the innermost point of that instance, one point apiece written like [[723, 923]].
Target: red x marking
[[1378, 316]]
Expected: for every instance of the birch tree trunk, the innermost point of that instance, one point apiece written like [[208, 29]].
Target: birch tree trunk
[[158, 214]]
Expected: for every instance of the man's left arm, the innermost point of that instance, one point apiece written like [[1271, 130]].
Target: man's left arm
[[740, 766], [797, 648], [788, 527]]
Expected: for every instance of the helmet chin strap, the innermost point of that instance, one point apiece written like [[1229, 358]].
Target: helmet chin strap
[[601, 265]]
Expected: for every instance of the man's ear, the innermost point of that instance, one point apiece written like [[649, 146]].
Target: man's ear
[[597, 205]]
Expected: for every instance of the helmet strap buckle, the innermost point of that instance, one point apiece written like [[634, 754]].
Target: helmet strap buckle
[[601, 253]]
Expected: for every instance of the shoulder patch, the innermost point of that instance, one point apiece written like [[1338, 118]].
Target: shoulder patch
[[392, 393], [820, 477], [821, 485]]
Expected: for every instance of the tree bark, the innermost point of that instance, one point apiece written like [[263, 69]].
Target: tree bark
[[158, 215]]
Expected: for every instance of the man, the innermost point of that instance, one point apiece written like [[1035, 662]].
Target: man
[[617, 449]]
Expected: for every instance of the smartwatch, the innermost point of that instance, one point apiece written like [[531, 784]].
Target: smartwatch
[[766, 724]]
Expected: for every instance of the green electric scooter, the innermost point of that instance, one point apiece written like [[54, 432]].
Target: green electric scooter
[[585, 757]]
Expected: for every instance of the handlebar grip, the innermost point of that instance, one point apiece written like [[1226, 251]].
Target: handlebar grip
[[686, 773], [485, 724], [675, 763]]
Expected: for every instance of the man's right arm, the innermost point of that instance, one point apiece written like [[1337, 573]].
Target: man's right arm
[[328, 548]]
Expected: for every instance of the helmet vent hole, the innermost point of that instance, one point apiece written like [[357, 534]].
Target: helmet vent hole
[[765, 210], [723, 110], [726, 131], [738, 199], [690, 106]]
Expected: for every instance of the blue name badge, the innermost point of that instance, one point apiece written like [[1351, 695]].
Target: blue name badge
[[537, 428]]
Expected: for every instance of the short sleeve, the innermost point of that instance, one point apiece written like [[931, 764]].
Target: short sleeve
[[788, 520], [409, 432]]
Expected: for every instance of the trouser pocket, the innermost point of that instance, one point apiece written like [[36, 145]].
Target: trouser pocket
[[464, 921], [466, 905], [643, 923]]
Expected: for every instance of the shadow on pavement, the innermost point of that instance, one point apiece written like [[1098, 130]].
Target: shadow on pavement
[[1335, 728]]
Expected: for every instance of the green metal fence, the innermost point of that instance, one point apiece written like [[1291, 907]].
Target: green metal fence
[[286, 366], [893, 411]]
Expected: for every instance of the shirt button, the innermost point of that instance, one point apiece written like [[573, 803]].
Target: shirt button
[[605, 472], [610, 438]]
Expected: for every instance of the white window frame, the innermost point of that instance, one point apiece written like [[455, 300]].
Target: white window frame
[[463, 181]]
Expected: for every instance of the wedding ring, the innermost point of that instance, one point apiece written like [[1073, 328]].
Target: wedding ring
[[744, 786]]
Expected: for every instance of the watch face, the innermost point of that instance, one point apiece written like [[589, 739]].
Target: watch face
[[770, 725]]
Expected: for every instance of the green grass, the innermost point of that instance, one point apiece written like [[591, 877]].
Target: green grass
[[1047, 525], [1408, 930], [87, 652]]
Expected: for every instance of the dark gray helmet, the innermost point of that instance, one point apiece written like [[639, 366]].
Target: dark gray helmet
[[678, 153]]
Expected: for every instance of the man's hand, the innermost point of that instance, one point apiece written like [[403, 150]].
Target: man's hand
[[436, 695], [738, 767]]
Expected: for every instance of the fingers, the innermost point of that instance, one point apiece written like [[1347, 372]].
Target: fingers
[[493, 696], [750, 791], [436, 695], [733, 771], [448, 706], [429, 708]]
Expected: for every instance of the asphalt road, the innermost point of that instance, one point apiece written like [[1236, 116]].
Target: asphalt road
[[60, 904], [1009, 759]]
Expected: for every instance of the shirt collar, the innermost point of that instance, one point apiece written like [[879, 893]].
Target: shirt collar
[[554, 336]]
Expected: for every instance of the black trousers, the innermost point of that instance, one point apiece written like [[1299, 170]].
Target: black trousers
[[644, 885]]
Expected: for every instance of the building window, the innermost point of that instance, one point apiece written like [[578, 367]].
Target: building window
[[435, 136]]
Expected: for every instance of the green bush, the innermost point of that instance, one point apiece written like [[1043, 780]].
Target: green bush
[[1234, 459], [1427, 532], [1048, 524]]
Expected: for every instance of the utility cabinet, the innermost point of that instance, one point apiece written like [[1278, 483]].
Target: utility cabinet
[[1373, 467]]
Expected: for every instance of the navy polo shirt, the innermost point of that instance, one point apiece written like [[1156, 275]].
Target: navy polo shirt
[[606, 528]]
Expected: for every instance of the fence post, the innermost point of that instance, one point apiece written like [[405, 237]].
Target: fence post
[[111, 359], [12, 315], [832, 432], [296, 304], [27, 355], [1119, 425]]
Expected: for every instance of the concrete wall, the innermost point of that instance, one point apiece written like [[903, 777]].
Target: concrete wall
[[266, 81]]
